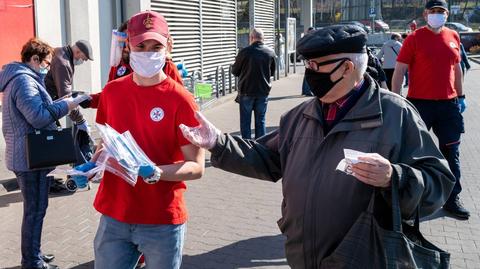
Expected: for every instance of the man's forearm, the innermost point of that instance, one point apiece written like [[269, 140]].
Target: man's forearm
[[458, 80], [76, 116], [397, 78]]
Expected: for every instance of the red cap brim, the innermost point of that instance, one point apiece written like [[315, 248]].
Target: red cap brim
[[135, 40]]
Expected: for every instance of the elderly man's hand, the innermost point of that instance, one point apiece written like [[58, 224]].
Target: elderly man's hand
[[373, 170]]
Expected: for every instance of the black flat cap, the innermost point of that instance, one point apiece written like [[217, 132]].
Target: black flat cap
[[436, 3], [333, 39], [85, 47]]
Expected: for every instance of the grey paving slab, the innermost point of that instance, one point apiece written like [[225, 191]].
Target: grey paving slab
[[232, 218]]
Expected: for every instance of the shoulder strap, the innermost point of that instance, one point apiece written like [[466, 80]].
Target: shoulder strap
[[396, 53]]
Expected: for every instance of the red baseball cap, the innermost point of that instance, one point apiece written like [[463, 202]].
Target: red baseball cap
[[147, 25]]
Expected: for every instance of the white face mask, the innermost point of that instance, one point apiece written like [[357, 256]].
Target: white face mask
[[436, 20], [147, 64], [77, 61]]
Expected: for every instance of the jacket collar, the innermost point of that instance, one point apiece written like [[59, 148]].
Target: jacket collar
[[69, 54], [257, 44], [366, 113]]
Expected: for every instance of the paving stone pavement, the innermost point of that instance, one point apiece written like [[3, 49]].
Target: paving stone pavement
[[232, 218]]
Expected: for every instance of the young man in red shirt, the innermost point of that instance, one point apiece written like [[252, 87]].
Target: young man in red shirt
[[147, 218], [432, 56]]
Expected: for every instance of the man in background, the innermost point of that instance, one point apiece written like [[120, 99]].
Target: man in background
[[432, 56], [254, 66]]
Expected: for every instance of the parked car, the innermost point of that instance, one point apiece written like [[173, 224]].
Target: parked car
[[458, 27], [380, 26], [399, 25], [365, 27]]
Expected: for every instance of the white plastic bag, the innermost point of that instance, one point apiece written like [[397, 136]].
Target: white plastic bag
[[120, 156], [116, 48], [123, 155]]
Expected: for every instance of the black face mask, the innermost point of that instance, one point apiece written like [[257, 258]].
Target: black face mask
[[320, 83]]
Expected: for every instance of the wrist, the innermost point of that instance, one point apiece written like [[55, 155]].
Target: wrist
[[157, 174]]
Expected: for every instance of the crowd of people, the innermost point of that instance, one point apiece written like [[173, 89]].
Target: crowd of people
[[356, 104]]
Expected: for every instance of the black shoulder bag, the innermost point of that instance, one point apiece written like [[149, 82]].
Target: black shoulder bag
[[368, 245], [49, 148]]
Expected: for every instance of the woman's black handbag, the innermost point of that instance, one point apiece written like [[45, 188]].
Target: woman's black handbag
[[48, 148], [368, 245]]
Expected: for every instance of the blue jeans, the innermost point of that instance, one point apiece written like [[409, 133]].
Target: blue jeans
[[119, 245], [34, 187], [259, 107], [445, 119]]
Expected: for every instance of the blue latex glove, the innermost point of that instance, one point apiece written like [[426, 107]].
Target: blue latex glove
[[82, 181], [85, 167], [146, 171], [462, 104]]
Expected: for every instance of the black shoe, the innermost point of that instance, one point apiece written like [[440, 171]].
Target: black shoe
[[47, 257], [455, 207]]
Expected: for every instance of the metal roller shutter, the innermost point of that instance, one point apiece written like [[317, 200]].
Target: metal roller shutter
[[264, 16], [219, 24], [204, 32]]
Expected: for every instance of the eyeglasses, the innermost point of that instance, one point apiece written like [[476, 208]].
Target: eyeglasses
[[47, 62], [312, 65]]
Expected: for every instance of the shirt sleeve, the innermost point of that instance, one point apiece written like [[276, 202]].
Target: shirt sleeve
[[101, 109], [185, 115], [111, 74], [407, 51], [458, 57]]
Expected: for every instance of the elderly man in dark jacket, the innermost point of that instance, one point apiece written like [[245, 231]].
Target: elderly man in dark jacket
[[351, 111], [254, 66], [59, 78]]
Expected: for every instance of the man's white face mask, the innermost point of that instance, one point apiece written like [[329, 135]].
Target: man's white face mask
[[436, 20], [147, 64]]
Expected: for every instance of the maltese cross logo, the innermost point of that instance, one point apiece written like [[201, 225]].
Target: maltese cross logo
[[157, 114]]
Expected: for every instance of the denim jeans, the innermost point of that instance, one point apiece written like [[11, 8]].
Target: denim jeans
[[119, 245], [34, 186], [257, 104]]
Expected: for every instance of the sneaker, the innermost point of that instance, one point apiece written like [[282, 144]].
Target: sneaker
[[47, 257], [456, 208]]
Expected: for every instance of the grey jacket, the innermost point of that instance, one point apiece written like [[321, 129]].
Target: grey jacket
[[389, 52], [59, 79], [320, 204], [24, 110]]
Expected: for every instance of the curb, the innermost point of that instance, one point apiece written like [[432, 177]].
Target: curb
[[8, 185]]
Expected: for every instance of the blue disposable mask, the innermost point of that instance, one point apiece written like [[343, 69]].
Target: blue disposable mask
[[77, 61], [43, 70], [436, 20]]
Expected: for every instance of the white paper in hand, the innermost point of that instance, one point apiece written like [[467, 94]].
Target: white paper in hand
[[351, 157]]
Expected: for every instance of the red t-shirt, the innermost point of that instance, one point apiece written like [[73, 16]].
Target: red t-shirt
[[152, 115], [431, 60]]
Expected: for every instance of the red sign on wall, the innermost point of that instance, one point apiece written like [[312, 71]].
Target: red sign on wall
[[18, 25]]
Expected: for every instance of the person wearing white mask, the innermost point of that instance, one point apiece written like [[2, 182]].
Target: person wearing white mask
[[150, 217], [432, 56]]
